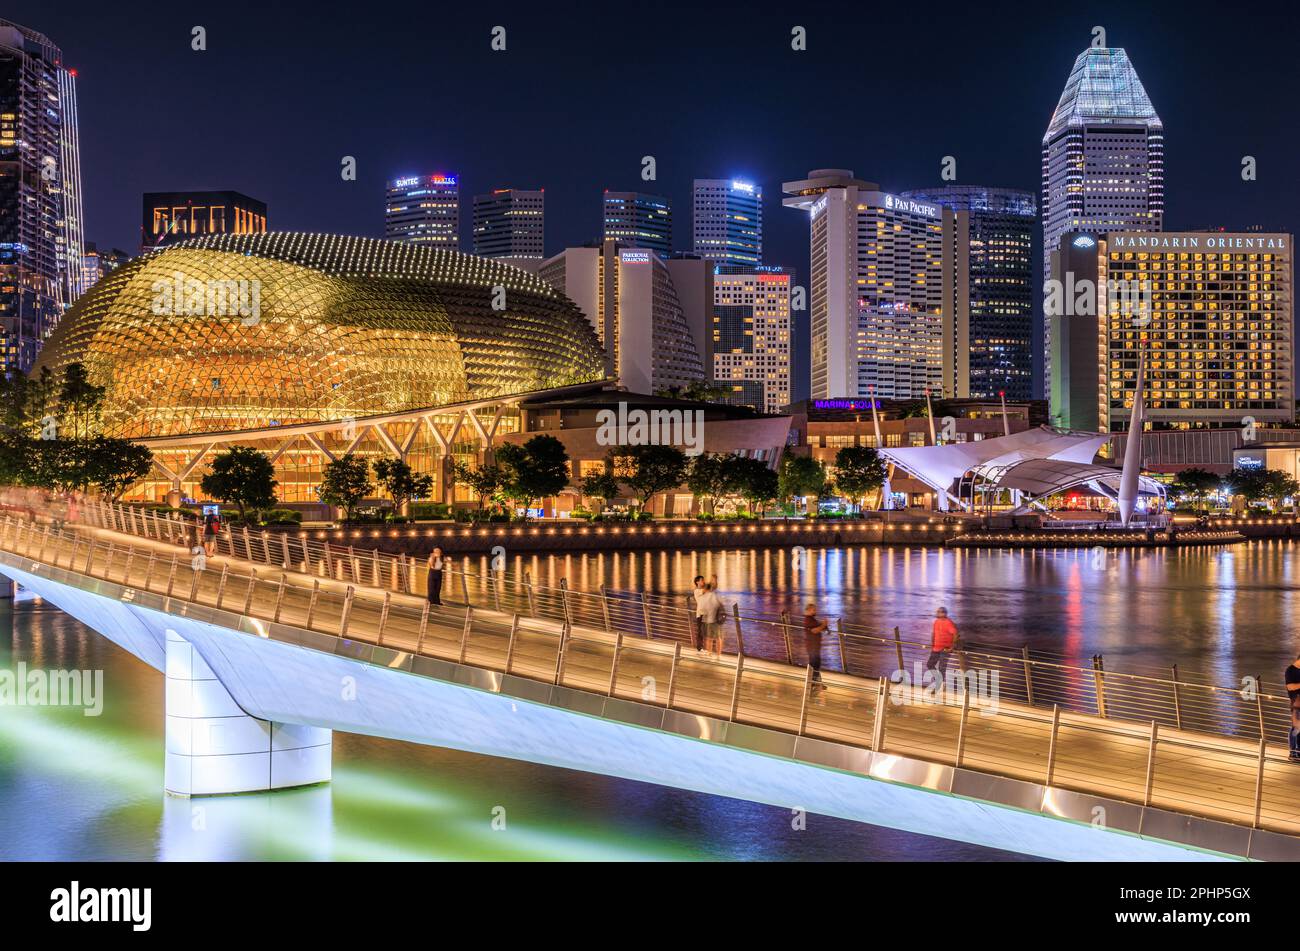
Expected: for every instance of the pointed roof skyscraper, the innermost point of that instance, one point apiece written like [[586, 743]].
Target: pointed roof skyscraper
[[1103, 88]]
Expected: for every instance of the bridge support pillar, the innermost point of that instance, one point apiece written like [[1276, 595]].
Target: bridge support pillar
[[213, 747]]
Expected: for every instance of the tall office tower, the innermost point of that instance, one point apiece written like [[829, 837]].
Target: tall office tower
[[96, 263], [424, 209], [1103, 159], [1214, 313], [750, 348], [510, 223], [41, 231], [638, 220], [634, 300], [169, 217], [728, 221], [888, 308], [1001, 285]]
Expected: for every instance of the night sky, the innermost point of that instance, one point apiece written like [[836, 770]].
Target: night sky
[[583, 91]]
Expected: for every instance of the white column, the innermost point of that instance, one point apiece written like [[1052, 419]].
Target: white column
[[213, 747]]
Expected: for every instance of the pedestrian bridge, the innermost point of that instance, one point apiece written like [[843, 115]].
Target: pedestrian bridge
[[272, 644]]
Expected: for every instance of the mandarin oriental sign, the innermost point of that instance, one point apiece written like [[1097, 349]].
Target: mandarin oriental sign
[[1200, 242]]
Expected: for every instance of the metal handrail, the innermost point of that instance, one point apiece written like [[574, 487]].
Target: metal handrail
[[1172, 701], [738, 689]]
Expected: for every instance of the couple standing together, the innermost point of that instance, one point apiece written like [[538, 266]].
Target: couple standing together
[[709, 614]]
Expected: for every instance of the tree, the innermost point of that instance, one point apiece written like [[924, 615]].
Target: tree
[[1262, 485], [858, 471], [757, 483], [486, 480], [243, 476], [401, 484], [344, 483], [79, 401], [802, 476], [537, 469], [600, 485], [712, 476], [700, 391], [113, 465], [647, 470], [1197, 483]]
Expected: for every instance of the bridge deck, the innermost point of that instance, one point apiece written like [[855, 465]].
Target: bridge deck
[[1218, 777]]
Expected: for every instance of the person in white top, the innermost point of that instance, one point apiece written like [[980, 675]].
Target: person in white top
[[697, 620], [711, 612]]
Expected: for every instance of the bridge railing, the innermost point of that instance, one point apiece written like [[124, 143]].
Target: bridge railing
[[1163, 696], [1231, 779]]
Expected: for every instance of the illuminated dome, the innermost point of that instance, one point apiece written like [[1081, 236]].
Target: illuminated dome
[[235, 332]]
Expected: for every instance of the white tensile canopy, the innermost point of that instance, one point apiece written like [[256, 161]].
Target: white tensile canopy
[[1037, 461]]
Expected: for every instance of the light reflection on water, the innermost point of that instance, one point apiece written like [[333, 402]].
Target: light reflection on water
[[90, 788], [1224, 612]]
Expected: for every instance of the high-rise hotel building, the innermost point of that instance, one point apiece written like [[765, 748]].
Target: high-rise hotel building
[[888, 301], [1103, 158], [424, 209], [168, 217], [728, 221], [1219, 336], [510, 223], [1001, 285], [1212, 311], [638, 220], [41, 229], [751, 335]]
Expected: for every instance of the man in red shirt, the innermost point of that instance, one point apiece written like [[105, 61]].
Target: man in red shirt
[[943, 635]]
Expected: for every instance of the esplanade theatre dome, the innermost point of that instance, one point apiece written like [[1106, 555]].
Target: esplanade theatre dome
[[239, 332]]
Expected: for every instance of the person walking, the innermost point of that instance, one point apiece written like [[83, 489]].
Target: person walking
[[712, 613], [813, 629], [434, 580], [211, 529], [1292, 679], [697, 619], [943, 637]]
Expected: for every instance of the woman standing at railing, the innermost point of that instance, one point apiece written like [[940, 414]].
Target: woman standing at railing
[[434, 582], [712, 615]]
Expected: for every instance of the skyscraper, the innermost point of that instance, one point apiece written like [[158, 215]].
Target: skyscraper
[[888, 308], [95, 263], [424, 209], [647, 311], [638, 220], [1001, 285], [751, 335], [41, 231], [1103, 159], [510, 223], [728, 221]]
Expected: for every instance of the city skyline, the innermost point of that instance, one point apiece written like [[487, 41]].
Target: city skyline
[[293, 164]]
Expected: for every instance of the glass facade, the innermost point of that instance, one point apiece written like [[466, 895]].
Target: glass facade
[[242, 332]]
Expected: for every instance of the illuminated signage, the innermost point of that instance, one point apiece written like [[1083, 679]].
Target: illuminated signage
[[742, 187], [1196, 242], [1084, 241], [406, 182], [1248, 462], [846, 404], [634, 256], [911, 207], [433, 180]]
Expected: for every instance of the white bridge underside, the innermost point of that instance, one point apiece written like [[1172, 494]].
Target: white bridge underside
[[456, 707]]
